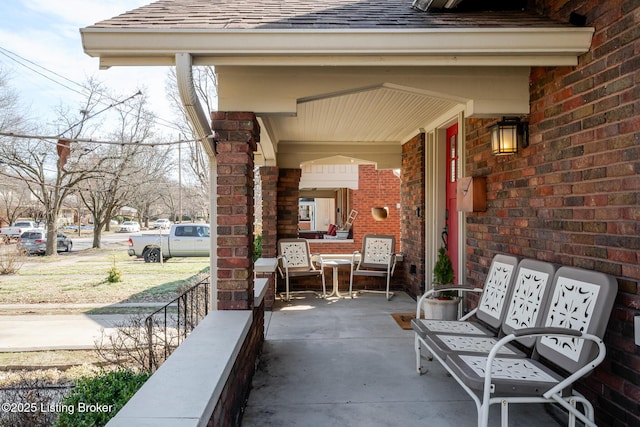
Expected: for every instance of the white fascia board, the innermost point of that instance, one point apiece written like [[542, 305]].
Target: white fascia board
[[462, 46]]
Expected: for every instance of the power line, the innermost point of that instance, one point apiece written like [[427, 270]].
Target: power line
[[12, 56], [74, 187], [41, 66], [47, 185], [87, 117], [93, 141], [39, 73]]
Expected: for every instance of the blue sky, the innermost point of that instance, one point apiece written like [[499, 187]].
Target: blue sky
[[46, 32]]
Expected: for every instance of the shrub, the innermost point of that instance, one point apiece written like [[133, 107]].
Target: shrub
[[11, 259], [34, 395], [443, 274], [257, 247], [109, 391], [115, 275]]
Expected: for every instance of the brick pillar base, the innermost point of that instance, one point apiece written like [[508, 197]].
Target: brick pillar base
[[238, 134]]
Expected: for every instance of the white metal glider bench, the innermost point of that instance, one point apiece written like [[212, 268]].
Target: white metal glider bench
[[294, 260], [566, 348], [525, 300], [489, 312], [377, 259]]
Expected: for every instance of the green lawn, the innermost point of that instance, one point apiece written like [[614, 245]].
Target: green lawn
[[81, 277]]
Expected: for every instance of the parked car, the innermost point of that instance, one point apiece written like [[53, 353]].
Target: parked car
[[162, 223], [183, 240], [18, 227], [35, 242], [129, 227]]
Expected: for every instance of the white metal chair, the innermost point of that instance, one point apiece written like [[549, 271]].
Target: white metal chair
[[489, 313], [527, 301], [294, 260], [377, 259]]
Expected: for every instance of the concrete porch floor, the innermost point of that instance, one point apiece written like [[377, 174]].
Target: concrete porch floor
[[346, 362]]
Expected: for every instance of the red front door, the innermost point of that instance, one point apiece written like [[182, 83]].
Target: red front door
[[450, 234]]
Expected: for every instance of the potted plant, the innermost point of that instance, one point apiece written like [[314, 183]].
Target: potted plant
[[443, 305]]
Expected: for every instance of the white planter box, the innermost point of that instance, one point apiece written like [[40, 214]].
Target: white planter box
[[441, 309]]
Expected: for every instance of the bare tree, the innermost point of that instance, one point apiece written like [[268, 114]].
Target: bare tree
[[206, 86], [13, 195], [51, 182], [53, 169], [151, 184], [14, 199], [123, 165], [12, 116]]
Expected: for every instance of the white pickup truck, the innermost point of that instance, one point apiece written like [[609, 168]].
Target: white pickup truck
[[18, 227], [183, 240]]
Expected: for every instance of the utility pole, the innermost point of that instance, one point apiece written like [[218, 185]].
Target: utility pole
[[180, 179]]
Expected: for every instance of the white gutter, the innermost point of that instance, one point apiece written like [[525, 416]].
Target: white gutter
[[522, 46], [202, 129]]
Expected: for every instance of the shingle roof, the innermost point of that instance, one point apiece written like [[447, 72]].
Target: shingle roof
[[309, 14]]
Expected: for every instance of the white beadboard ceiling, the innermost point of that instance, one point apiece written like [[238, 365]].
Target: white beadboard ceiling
[[375, 115]]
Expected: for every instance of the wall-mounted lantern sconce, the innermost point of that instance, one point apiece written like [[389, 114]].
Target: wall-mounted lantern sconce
[[509, 134]]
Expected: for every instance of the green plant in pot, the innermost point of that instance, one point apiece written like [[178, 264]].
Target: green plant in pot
[[443, 274], [444, 304]]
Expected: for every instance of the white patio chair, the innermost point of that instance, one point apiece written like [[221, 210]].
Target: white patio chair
[[377, 259], [488, 314], [294, 260], [526, 304]]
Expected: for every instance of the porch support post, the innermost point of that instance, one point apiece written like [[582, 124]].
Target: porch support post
[[288, 194], [269, 181], [238, 134]]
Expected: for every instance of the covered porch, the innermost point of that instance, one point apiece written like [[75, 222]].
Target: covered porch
[[379, 83], [335, 361], [345, 362]]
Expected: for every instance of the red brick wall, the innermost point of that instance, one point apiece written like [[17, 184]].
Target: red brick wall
[[412, 226], [333, 247], [573, 196], [376, 188]]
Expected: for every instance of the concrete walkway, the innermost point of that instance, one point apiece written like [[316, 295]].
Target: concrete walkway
[[55, 331], [347, 363], [35, 332]]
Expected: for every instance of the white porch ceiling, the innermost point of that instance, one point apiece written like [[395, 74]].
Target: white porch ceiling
[[373, 115], [364, 126]]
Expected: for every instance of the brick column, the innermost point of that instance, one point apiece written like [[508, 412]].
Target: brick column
[[269, 180], [412, 226], [288, 193], [238, 134]]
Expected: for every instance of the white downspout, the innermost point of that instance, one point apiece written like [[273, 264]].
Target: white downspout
[[200, 123]]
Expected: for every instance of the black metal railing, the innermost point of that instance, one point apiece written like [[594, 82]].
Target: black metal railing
[[168, 326]]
